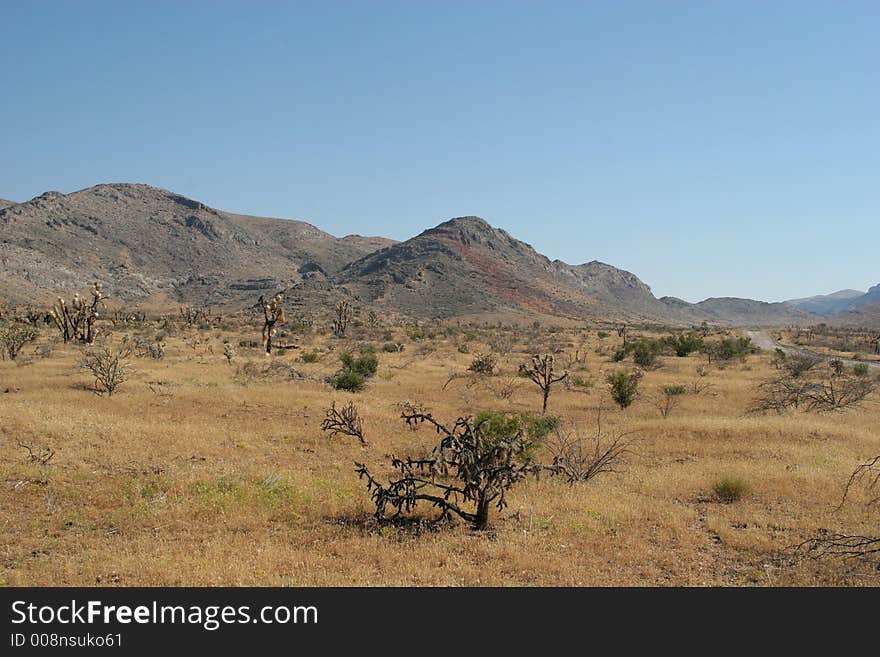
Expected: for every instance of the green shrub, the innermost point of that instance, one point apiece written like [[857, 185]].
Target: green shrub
[[364, 364], [727, 349], [860, 369], [646, 353], [624, 387], [684, 344], [497, 426], [730, 489], [674, 391], [602, 335], [349, 381]]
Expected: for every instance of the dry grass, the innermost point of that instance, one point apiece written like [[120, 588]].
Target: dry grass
[[190, 475]]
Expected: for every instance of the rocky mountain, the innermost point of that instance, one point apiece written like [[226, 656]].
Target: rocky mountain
[[5, 204], [826, 304], [838, 303], [150, 244], [147, 243], [466, 267]]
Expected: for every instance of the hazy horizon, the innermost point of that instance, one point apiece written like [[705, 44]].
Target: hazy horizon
[[713, 150]]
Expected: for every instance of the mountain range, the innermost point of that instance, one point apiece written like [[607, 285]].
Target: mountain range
[[151, 245], [847, 306]]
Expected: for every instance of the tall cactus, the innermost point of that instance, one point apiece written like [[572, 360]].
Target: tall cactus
[[344, 314], [273, 313], [76, 321]]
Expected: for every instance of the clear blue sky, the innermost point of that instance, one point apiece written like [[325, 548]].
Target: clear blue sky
[[712, 148]]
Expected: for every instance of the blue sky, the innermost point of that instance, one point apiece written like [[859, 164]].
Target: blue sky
[[712, 148]]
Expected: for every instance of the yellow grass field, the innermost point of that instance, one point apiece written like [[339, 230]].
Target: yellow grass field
[[195, 474]]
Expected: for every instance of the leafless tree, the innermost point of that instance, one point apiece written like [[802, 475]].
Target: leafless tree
[[540, 370], [108, 367], [346, 421], [848, 546], [13, 337], [816, 389], [580, 458], [38, 455]]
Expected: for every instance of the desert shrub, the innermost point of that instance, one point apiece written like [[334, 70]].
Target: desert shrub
[[669, 398], [248, 344], [274, 370], [13, 337], [348, 380], [355, 371], [727, 349], [579, 457], [310, 357], [730, 489], [418, 334], [391, 347], [108, 367], [580, 382], [602, 335], [464, 348], [624, 387], [799, 364], [345, 420], [684, 344], [483, 364], [619, 355], [860, 369], [470, 470], [817, 389], [646, 353], [365, 363]]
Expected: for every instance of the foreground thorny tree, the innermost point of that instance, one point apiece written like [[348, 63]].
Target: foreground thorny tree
[[838, 544], [466, 473]]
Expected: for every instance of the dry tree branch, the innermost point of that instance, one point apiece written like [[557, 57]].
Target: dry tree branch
[[345, 421]]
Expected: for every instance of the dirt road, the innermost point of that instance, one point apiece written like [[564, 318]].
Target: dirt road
[[763, 340]]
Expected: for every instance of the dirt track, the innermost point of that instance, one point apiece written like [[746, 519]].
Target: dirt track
[[763, 340]]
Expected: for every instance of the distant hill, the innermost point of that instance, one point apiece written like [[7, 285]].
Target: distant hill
[[149, 244], [838, 303], [5, 204], [144, 242], [464, 266]]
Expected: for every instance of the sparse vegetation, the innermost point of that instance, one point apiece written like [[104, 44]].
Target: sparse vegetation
[[624, 387], [483, 364], [13, 337], [730, 489], [241, 439], [109, 368]]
